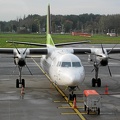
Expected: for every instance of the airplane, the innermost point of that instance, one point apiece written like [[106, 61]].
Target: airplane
[[63, 67], [61, 64]]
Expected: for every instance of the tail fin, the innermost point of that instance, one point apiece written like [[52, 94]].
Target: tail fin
[[49, 41]]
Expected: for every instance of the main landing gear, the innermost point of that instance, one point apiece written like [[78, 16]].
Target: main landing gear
[[96, 80], [20, 80], [72, 95]]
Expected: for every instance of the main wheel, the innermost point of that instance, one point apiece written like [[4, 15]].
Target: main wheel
[[74, 96], [93, 82], [17, 83], [99, 82], [98, 111], [88, 111], [85, 107], [23, 83]]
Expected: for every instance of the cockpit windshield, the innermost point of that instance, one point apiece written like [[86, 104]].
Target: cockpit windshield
[[66, 64], [70, 64], [76, 64]]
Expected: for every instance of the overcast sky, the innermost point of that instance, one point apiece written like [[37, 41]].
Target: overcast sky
[[13, 9]]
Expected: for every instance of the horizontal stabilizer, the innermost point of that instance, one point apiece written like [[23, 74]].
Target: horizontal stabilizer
[[70, 43], [27, 43], [44, 45]]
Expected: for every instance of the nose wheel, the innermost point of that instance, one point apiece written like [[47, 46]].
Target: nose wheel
[[72, 96]]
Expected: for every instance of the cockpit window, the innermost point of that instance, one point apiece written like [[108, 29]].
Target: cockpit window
[[76, 64], [69, 64], [66, 64]]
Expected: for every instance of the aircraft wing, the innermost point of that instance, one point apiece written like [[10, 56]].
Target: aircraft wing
[[44, 51], [29, 51], [38, 51], [6, 51], [113, 51], [81, 50], [91, 50]]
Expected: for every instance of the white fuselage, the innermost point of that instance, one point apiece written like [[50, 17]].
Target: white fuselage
[[63, 67]]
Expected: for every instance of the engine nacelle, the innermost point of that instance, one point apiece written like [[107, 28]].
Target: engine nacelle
[[21, 62], [104, 62]]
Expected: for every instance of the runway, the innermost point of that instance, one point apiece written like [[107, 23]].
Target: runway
[[42, 101]]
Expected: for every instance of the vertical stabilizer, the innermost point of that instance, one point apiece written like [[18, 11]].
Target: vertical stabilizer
[[49, 41]]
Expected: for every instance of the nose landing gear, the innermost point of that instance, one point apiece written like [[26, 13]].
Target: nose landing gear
[[72, 95]]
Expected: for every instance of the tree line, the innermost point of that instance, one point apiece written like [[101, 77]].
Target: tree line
[[90, 23]]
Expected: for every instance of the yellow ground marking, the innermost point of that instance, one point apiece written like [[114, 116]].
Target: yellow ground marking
[[60, 91], [57, 101], [69, 113], [60, 101], [69, 107]]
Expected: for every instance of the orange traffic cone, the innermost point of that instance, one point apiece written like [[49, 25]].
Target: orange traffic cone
[[74, 103], [106, 89]]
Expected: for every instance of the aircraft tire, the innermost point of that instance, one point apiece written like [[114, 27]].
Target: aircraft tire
[[70, 97], [85, 107], [98, 111], [23, 83], [88, 111], [74, 96], [99, 82], [93, 82], [17, 83]]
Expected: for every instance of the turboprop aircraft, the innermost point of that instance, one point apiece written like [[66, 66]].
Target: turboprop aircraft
[[61, 64], [63, 67]]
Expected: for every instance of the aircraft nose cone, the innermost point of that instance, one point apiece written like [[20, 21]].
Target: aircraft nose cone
[[74, 78]]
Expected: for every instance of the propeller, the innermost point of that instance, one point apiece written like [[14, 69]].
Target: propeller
[[23, 54], [109, 57]]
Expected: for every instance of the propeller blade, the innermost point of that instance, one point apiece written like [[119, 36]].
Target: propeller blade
[[25, 51], [102, 49], [17, 49], [29, 69], [112, 48], [92, 70], [113, 58], [109, 71]]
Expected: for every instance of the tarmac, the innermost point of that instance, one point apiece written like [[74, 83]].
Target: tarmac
[[43, 101]]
